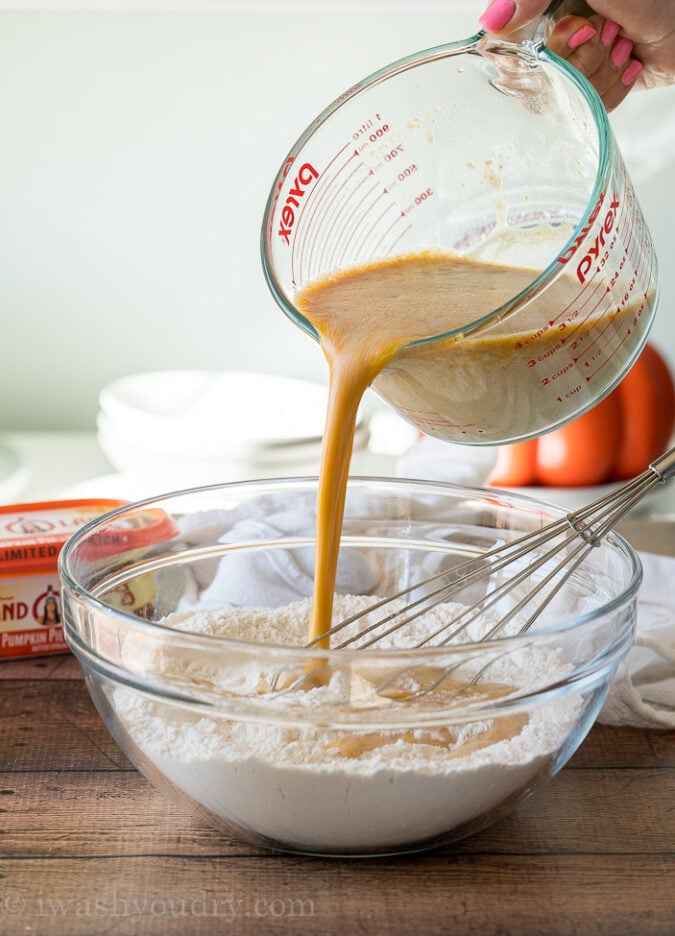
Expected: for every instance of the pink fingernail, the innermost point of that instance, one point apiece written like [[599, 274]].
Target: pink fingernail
[[621, 51], [497, 15], [580, 36], [610, 30], [631, 72]]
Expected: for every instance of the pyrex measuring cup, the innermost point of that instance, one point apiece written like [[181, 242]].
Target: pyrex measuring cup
[[501, 152]]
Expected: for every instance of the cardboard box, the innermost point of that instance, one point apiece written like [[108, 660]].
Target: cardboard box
[[31, 538]]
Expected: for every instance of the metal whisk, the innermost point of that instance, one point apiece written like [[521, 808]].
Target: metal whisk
[[544, 549]]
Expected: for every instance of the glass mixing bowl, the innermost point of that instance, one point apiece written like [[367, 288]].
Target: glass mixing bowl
[[351, 761]]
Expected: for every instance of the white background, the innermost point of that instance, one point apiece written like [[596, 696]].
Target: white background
[[138, 144]]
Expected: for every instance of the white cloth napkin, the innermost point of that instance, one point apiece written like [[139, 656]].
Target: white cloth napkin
[[435, 460], [268, 577], [642, 693]]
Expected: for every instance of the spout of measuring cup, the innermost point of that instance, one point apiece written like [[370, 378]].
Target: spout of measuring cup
[[515, 58]]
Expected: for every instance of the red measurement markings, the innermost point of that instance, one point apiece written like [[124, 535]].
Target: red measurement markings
[[355, 203], [473, 236], [590, 314], [364, 128], [402, 176], [577, 342], [377, 248], [327, 221], [597, 338], [297, 248], [608, 358], [640, 272], [585, 249], [645, 276], [362, 209], [371, 218], [569, 329], [393, 153], [630, 240], [597, 334], [593, 356], [405, 173], [569, 312], [637, 253], [366, 248], [374, 137], [423, 196], [651, 279], [387, 251], [400, 236], [626, 222], [571, 305]]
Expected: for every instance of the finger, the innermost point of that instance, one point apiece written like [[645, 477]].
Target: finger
[[505, 16], [606, 75], [627, 78], [577, 40], [608, 78], [618, 69], [594, 47]]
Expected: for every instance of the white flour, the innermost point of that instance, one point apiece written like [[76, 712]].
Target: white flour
[[306, 786]]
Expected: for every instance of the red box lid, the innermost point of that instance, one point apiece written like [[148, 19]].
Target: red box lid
[[32, 535]]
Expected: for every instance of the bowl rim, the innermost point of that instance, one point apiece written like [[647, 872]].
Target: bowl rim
[[426, 654]]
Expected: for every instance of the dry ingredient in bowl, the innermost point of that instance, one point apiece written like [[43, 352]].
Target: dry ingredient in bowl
[[330, 790]]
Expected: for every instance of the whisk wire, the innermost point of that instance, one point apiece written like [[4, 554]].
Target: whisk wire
[[549, 548], [504, 554]]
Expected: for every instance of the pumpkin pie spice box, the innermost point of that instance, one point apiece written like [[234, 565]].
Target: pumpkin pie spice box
[[31, 538]]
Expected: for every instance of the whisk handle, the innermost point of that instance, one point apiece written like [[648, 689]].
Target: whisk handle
[[664, 465]]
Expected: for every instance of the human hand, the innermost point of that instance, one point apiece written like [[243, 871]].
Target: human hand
[[621, 44]]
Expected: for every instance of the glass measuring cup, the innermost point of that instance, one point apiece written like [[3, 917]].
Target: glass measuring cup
[[496, 151]]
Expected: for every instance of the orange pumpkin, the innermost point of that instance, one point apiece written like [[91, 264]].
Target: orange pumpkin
[[615, 440]]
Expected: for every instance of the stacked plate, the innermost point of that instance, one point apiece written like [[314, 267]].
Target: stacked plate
[[198, 427]]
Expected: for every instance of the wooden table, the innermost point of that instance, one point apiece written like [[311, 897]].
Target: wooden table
[[88, 847]]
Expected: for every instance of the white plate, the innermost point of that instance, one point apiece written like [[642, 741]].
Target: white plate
[[213, 414], [119, 486]]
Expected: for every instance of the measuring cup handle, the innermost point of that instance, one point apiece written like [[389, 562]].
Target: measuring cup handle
[[537, 32]]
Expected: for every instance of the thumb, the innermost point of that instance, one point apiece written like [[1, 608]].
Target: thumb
[[508, 16]]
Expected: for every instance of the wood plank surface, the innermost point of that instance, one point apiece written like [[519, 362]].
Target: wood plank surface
[[481, 895]]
